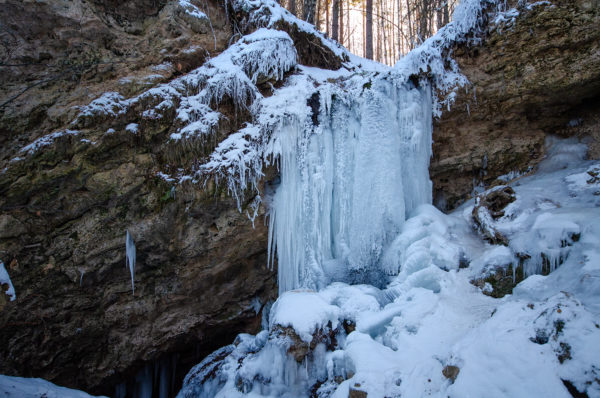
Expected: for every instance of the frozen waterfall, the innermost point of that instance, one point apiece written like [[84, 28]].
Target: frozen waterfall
[[349, 179]]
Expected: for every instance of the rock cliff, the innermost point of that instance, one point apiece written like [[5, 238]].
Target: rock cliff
[[537, 73], [201, 275]]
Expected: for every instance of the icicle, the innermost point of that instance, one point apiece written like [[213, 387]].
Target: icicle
[[5, 280], [130, 258], [82, 272]]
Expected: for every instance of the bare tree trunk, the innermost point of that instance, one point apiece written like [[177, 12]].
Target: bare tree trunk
[[410, 31], [369, 30], [424, 21], [318, 14], [378, 32], [293, 6], [327, 17], [393, 42], [364, 29], [308, 12], [446, 12], [383, 32], [335, 19], [341, 33], [348, 32], [400, 30]]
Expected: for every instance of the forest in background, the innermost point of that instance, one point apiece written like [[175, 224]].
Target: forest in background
[[382, 30]]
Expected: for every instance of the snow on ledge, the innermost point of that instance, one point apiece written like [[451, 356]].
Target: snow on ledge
[[305, 312]]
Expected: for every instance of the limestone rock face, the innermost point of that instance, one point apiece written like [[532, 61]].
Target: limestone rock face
[[201, 275], [534, 76]]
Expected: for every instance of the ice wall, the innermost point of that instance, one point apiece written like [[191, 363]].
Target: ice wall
[[349, 178]]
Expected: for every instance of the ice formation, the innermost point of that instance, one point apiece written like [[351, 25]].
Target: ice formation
[[348, 181], [396, 341], [153, 380], [129, 258], [5, 280]]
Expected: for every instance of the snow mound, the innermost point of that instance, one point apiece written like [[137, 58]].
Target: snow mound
[[305, 312]]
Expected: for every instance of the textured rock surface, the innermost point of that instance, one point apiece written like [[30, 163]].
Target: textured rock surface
[[539, 75], [200, 277]]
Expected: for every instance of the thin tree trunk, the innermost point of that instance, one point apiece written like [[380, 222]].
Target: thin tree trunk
[[318, 14], [423, 28], [327, 17], [335, 19], [446, 12], [341, 33], [439, 14], [308, 12], [293, 6], [400, 30], [378, 32], [410, 32], [393, 45], [348, 32], [364, 29], [369, 30], [383, 33]]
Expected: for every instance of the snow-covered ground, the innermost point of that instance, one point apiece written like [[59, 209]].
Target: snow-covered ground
[[431, 331], [20, 387]]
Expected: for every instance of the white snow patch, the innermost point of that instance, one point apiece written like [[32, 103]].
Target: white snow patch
[[304, 311], [20, 387], [192, 10], [46, 140]]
